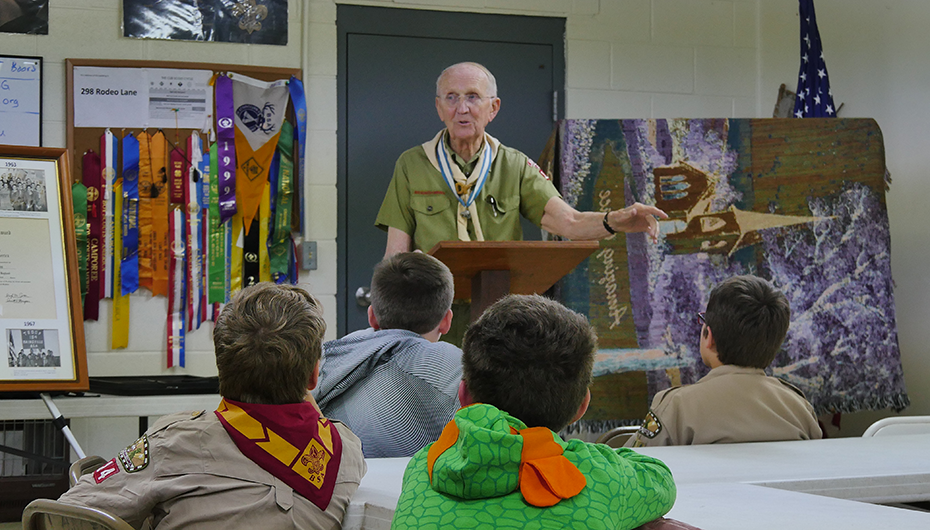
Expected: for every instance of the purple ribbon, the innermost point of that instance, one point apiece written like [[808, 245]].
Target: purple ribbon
[[226, 147]]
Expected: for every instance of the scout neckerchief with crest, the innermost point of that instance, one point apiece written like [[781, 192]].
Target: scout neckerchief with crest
[[466, 189], [293, 442]]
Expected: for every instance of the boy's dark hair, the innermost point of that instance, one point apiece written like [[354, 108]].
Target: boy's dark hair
[[749, 320], [531, 357], [411, 291], [268, 340]]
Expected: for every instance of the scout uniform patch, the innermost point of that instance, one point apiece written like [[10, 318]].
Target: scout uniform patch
[[135, 457], [651, 426], [106, 471], [534, 165]]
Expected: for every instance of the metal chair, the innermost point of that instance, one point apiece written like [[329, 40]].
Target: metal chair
[[899, 425], [83, 466], [46, 514], [617, 436]]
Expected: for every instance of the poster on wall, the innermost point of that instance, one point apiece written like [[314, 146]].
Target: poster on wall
[[24, 16], [243, 21], [20, 100], [40, 331]]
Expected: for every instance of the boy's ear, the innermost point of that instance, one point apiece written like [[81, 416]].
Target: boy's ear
[[314, 377], [465, 398], [708, 335], [584, 406], [372, 319], [446, 323]]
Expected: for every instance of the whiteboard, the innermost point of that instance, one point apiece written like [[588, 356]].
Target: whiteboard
[[20, 100]]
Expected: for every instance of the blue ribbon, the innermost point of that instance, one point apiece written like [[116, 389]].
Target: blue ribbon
[[129, 268], [299, 100]]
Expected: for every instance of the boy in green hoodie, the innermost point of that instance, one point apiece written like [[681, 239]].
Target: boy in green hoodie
[[531, 357]]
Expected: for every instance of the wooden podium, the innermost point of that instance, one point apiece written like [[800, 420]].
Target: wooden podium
[[485, 271]]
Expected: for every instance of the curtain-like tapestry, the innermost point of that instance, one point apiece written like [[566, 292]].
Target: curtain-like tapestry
[[798, 202]]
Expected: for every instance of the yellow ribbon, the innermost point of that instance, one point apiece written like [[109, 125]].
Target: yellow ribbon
[[120, 334]]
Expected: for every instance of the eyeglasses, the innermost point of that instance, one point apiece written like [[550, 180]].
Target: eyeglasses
[[701, 316], [471, 100]]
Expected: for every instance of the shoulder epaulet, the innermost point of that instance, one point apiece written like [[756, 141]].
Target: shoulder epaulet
[[797, 390], [667, 392]]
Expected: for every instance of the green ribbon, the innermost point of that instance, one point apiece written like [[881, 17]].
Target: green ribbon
[[79, 197], [216, 290], [279, 250]]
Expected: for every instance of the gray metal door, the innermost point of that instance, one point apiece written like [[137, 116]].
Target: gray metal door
[[388, 63]]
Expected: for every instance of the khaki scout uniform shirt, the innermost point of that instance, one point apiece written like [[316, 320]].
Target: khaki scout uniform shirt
[[194, 476], [731, 404], [419, 202]]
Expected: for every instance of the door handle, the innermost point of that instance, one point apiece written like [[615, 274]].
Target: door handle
[[363, 296]]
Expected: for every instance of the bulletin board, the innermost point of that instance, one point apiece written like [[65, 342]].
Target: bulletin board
[[110, 102], [81, 139]]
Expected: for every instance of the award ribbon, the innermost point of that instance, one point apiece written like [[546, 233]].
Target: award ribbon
[[108, 153], [176, 289], [161, 211], [250, 244], [93, 183], [129, 268], [264, 224], [226, 142], [299, 100], [192, 233], [145, 210], [119, 336], [216, 255], [196, 206], [79, 197], [279, 246], [235, 255]]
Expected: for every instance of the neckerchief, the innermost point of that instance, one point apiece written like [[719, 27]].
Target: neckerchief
[[293, 442], [466, 189]]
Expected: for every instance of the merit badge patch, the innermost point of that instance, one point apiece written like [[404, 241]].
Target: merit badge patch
[[135, 457], [106, 471], [651, 426]]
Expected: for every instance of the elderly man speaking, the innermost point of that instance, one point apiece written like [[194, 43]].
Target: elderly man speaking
[[465, 185]]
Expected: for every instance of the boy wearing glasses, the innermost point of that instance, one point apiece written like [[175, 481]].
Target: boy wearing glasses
[[742, 330]]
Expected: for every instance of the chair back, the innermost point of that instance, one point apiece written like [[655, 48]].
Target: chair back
[[46, 514], [83, 466], [899, 425], [618, 436]]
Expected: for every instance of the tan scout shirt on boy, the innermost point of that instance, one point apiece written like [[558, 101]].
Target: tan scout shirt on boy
[[187, 472], [731, 404]]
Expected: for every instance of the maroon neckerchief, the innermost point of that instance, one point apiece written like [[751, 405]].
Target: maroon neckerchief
[[293, 442]]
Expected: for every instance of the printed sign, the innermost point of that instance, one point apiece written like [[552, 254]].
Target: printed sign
[[20, 100]]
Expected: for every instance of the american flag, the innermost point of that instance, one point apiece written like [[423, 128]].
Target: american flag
[[814, 98]]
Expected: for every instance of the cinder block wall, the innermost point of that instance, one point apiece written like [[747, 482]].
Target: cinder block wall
[[625, 59]]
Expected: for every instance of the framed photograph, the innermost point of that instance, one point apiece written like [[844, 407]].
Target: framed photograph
[[41, 323]]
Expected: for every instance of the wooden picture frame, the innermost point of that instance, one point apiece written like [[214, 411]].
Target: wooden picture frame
[[40, 297]]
